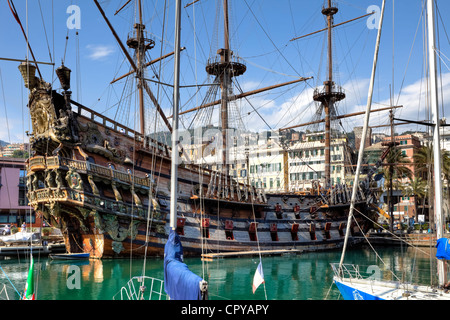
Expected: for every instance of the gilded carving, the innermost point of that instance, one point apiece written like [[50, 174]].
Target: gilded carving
[[74, 180], [49, 179], [116, 231], [94, 141], [117, 194], [93, 185], [117, 247], [58, 179], [42, 114]]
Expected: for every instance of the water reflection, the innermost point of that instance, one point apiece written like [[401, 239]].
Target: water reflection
[[298, 277]]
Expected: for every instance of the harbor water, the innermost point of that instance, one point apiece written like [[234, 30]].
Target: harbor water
[[306, 276]]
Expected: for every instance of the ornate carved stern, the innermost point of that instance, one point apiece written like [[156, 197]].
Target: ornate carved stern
[[79, 180]]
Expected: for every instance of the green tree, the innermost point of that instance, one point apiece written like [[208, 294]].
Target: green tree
[[20, 154], [418, 189], [395, 171], [424, 164]]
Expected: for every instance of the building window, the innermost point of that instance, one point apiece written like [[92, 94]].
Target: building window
[[22, 177], [23, 200]]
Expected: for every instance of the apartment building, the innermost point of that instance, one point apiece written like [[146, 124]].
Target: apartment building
[[306, 161], [14, 207], [8, 150], [265, 162]]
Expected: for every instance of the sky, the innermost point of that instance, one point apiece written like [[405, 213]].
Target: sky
[[260, 34]]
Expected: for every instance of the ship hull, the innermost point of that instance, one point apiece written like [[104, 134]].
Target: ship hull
[[103, 245], [107, 188]]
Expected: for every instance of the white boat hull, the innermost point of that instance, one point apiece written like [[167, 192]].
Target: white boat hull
[[366, 289]]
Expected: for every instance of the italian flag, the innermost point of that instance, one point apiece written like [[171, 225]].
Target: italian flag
[[29, 287]]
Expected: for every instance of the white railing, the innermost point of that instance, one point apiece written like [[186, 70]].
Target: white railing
[[4, 293], [347, 271], [142, 288]]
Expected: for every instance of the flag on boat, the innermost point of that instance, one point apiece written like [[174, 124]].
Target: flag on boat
[[29, 287], [258, 278]]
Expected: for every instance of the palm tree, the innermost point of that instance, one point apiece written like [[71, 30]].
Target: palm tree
[[423, 161], [418, 189], [395, 171]]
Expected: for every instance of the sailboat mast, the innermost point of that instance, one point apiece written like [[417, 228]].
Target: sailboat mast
[[363, 139], [436, 135], [176, 102]]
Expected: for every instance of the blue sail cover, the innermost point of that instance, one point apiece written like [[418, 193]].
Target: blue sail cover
[[443, 249], [180, 283]]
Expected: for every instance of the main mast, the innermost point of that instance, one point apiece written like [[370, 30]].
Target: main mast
[[225, 69], [331, 93], [140, 44], [438, 209]]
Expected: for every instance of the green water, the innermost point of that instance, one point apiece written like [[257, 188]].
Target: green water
[[297, 277]]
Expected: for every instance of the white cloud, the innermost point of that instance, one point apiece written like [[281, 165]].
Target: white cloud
[[99, 52], [300, 108]]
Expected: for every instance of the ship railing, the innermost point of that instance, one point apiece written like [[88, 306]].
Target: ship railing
[[136, 289], [122, 176], [349, 271], [36, 163], [78, 165], [104, 171], [111, 124], [45, 194], [52, 161], [99, 170]]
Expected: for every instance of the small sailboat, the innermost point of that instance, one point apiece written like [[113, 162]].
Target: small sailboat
[[348, 278], [70, 256]]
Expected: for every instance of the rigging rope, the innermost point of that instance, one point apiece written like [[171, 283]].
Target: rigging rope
[[16, 16]]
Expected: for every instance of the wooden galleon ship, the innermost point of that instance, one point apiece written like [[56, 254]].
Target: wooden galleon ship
[[107, 186]]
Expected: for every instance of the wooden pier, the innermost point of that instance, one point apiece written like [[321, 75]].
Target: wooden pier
[[15, 250], [212, 256]]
